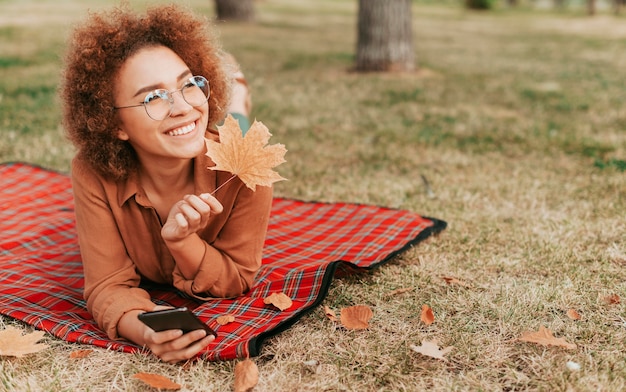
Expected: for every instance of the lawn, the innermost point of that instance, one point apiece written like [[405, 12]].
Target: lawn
[[513, 130]]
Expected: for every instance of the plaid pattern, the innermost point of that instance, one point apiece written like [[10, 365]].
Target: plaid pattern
[[41, 273]]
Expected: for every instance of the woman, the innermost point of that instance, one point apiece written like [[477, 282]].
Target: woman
[[140, 94]]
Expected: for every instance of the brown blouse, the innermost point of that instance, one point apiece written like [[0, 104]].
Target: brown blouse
[[120, 241]]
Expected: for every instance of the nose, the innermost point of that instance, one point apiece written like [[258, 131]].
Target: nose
[[179, 104]]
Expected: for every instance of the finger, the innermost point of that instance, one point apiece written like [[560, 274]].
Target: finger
[[191, 214], [199, 204], [163, 337], [187, 352], [181, 220], [215, 205]]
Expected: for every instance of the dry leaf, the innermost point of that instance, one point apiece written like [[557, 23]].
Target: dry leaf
[[452, 280], [246, 376], [223, 320], [157, 381], [573, 314], [14, 344], [544, 337], [427, 316], [280, 300], [330, 314], [431, 349], [398, 291], [249, 157], [612, 299], [80, 354], [356, 317]]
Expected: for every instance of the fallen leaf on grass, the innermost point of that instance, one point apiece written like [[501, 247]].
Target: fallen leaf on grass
[[612, 299], [431, 349], [332, 316], [14, 344], [157, 381], [399, 291], [246, 376], [80, 354], [356, 317], [452, 280], [545, 338], [280, 300], [573, 314], [427, 316], [249, 157], [226, 319]]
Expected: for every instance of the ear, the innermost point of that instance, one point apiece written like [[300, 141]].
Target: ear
[[122, 135]]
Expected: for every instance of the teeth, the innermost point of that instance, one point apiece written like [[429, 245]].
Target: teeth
[[183, 130]]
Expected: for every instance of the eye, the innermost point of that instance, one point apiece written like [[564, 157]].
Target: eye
[[188, 84], [156, 95]]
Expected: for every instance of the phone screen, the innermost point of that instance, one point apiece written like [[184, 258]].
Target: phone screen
[[178, 318]]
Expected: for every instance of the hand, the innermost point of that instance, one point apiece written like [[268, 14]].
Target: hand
[[172, 346], [189, 215]]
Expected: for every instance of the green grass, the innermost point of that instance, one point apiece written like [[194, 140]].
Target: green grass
[[515, 117]]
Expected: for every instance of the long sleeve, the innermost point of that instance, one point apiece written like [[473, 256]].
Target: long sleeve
[[111, 279], [232, 259]]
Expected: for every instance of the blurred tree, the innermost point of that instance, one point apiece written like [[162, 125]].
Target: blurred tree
[[479, 4], [385, 36], [238, 10], [591, 7]]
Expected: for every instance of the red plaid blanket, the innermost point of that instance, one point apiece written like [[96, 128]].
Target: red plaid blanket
[[41, 274]]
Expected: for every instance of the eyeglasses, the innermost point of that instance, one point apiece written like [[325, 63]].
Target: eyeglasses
[[159, 103]]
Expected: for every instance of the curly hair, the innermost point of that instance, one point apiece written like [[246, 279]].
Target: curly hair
[[97, 50]]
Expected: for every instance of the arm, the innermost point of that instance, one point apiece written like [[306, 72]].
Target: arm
[[111, 282], [229, 260]]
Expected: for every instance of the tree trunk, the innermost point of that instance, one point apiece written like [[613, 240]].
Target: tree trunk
[[385, 36], [591, 7], [237, 10]]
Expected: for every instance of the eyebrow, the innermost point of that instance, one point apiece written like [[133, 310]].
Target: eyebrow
[[153, 87]]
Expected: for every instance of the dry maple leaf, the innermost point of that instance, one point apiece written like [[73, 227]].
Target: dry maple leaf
[[573, 314], [330, 314], [612, 299], [14, 344], [249, 157], [226, 319], [280, 300], [544, 337], [246, 376], [398, 291], [427, 316], [452, 280], [431, 349], [356, 317], [80, 354], [157, 381]]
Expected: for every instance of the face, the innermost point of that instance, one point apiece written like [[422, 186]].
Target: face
[[178, 137]]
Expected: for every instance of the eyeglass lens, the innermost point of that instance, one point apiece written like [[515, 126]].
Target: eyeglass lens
[[159, 103]]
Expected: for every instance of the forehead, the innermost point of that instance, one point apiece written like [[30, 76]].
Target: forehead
[[150, 66]]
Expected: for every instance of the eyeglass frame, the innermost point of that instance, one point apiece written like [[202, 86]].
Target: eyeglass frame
[[170, 97]]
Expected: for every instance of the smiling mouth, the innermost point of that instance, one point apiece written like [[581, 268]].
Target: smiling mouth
[[182, 130]]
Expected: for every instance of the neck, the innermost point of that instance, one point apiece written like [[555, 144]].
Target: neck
[[170, 178]]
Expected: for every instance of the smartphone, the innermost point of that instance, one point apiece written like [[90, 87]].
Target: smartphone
[[177, 318]]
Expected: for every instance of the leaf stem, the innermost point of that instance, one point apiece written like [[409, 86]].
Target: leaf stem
[[225, 182]]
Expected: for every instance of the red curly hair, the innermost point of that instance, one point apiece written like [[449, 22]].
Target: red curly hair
[[97, 50]]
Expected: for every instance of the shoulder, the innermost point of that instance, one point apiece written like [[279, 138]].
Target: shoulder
[[85, 177]]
